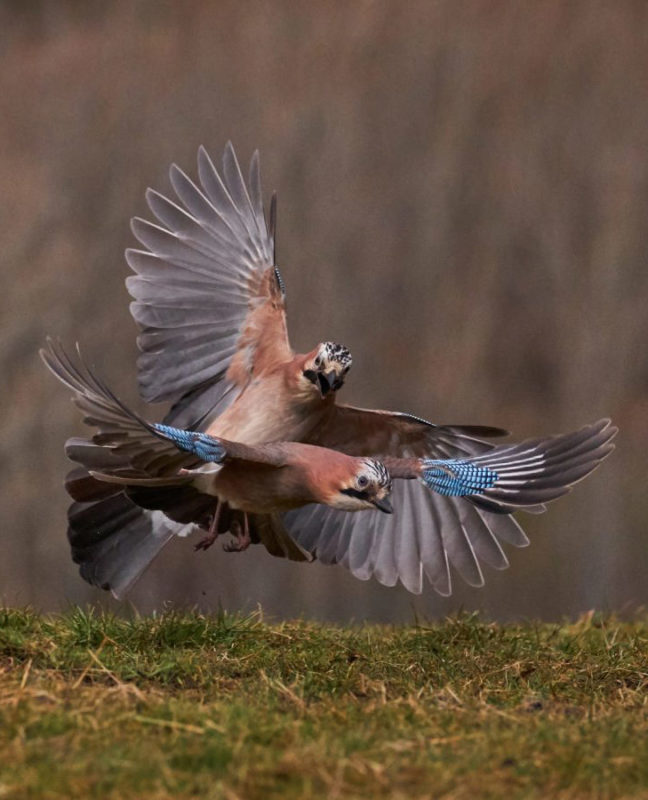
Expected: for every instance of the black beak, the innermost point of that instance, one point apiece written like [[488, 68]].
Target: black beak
[[326, 381], [384, 505]]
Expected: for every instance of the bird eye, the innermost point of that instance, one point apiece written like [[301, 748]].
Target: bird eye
[[318, 361], [363, 481]]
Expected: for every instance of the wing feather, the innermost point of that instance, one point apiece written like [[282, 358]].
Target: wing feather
[[383, 563], [407, 545], [484, 544], [426, 534], [369, 432], [434, 558], [207, 273]]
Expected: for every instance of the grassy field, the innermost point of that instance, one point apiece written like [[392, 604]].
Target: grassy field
[[182, 705]]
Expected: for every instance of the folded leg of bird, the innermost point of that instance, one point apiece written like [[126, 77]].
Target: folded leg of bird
[[212, 533], [241, 540]]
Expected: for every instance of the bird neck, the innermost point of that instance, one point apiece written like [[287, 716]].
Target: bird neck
[[325, 471], [301, 389]]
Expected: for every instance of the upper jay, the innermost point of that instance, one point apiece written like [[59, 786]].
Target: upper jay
[[210, 304]]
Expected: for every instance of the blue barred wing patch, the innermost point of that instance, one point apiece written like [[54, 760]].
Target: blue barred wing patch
[[205, 447], [457, 478]]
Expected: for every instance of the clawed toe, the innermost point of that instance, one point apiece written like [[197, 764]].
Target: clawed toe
[[205, 544], [237, 545], [241, 540]]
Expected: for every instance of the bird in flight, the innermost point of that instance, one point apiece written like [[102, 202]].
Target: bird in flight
[[209, 301], [160, 466]]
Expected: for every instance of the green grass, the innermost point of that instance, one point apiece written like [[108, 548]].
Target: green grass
[[183, 706]]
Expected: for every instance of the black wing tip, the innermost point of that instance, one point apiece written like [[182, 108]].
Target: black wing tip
[[272, 226], [489, 431], [273, 214]]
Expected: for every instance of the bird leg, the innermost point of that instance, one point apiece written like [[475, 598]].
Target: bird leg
[[242, 538], [212, 533]]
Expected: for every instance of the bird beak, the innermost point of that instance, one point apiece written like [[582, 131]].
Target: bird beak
[[384, 505], [326, 381]]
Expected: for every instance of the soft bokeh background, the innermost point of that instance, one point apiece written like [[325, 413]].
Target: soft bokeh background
[[463, 201]]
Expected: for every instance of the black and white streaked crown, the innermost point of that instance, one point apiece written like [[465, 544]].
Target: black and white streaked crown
[[338, 353], [379, 473]]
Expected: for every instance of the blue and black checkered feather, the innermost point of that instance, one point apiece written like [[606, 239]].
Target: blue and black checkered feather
[[205, 447], [456, 478]]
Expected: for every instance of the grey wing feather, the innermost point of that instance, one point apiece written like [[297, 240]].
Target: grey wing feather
[[408, 548], [124, 440], [196, 282], [423, 537], [434, 557], [540, 470]]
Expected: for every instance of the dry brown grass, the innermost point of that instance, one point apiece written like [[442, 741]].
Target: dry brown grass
[[185, 705]]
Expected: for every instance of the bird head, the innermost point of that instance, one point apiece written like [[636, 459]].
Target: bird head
[[368, 487], [325, 368]]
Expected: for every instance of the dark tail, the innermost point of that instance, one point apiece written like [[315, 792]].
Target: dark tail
[[112, 539]]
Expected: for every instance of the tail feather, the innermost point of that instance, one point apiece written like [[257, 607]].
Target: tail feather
[[114, 540], [83, 488], [92, 523], [114, 536]]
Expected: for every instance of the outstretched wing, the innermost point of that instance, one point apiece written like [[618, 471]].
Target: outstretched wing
[[368, 432], [129, 450], [516, 476], [428, 531], [124, 443], [208, 297], [423, 536]]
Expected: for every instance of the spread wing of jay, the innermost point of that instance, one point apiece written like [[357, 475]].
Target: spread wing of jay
[[210, 304]]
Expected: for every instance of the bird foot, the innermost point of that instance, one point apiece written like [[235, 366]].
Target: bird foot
[[237, 545], [240, 542], [206, 543], [212, 533]]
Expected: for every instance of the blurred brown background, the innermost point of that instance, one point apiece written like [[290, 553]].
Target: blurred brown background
[[463, 201]]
